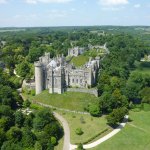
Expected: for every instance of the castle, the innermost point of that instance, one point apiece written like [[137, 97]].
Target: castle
[[57, 74]]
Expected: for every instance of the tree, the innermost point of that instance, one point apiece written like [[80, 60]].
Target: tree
[[145, 95], [28, 138], [6, 111], [43, 138], [106, 102], [2, 137], [53, 129], [28, 122], [26, 103], [37, 146], [19, 118], [14, 134], [94, 110], [42, 118], [116, 116], [23, 69], [119, 99], [9, 145], [6, 123]]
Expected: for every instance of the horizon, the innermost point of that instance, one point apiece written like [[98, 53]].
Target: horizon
[[75, 26], [58, 13]]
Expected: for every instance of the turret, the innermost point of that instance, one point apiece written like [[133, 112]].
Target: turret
[[39, 83]]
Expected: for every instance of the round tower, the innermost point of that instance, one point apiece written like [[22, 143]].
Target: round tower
[[39, 83]]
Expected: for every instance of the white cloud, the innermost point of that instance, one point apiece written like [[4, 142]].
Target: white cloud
[[3, 1], [113, 2], [112, 8], [47, 1], [137, 5]]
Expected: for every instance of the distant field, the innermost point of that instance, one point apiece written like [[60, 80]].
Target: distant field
[[135, 136], [11, 30], [67, 100]]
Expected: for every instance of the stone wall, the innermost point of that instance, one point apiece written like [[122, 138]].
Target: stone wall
[[29, 85], [83, 90]]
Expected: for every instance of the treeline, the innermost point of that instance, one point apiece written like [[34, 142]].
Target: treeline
[[20, 130], [119, 88]]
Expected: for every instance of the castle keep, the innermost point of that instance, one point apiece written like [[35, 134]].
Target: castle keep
[[57, 74]]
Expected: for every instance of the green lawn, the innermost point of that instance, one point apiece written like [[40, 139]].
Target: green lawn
[[95, 52], [68, 100], [80, 60], [60, 144], [91, 126], [135, 136]]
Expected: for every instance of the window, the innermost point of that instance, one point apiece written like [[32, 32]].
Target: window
[[77, 80], [72, 80]]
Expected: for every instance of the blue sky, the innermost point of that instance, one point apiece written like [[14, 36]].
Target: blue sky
[[27, 13]]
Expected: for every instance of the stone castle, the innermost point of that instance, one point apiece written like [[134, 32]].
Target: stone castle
[[57, 74]]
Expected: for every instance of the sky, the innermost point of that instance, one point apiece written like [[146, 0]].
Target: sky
[[35, 13]]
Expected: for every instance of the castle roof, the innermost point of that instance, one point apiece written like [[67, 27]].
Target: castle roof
[[53, 63]]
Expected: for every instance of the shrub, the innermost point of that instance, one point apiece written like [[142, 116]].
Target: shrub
[[33, 92], [82, 120], [53, 140], [73, 116], [79, 131], [80, 147]]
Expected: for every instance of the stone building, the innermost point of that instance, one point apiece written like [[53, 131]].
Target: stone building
[[57, 74], [75, 51]]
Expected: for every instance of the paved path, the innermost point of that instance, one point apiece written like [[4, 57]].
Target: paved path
[[103, 139], [66, 131], [68, 146]]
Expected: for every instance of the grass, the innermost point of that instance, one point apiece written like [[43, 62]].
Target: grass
[[135, 135], [80, 60], [95, 52], [86, 122], [68, 100], [60, 144], [91, 126]]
